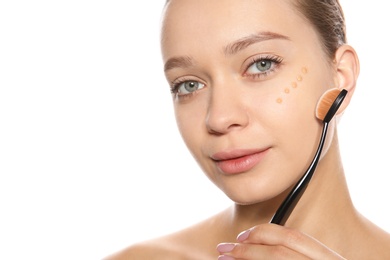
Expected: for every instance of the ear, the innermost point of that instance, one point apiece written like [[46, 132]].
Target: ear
[[347, 71]]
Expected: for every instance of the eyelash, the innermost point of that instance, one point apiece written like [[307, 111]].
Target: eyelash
[[175, 86], [275, 60]]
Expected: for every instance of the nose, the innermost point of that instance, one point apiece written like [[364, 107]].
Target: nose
[[227, 110]]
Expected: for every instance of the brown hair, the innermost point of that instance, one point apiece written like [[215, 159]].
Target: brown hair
[[327, 17]]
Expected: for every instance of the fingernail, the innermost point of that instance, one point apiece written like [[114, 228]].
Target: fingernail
[[225, 257], [243, 235], [225, 247]]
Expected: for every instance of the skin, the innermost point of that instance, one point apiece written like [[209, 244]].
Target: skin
[[233, 110]]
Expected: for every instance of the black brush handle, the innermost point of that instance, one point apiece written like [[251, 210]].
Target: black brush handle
[[295, 194]]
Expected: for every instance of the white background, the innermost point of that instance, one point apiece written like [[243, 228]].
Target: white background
[[90, 158]]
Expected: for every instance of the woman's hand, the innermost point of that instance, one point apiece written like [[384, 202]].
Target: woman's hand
[[271, 241]]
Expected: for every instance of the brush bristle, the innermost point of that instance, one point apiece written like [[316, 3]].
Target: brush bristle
[[326, 102]]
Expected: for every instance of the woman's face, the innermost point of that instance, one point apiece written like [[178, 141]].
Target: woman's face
[[246, 77]]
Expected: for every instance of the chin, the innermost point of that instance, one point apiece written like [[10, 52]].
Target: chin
[[244, 198], [250, 193]]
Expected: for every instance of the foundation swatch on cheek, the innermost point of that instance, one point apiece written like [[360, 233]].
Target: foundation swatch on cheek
[[294, 84]]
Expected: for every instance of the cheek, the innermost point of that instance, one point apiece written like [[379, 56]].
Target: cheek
[[291, 105], [190, 121], [297, 127], [296, 97], [293, 85]]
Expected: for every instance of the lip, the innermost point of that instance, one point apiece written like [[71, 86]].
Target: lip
[[238, 161]]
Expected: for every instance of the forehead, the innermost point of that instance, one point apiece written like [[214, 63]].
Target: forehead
[[191, 24]]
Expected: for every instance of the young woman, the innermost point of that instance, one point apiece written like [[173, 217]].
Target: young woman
[[246, 78]]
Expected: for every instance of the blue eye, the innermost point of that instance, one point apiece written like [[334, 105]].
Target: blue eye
[[187, 87], [262, 66]]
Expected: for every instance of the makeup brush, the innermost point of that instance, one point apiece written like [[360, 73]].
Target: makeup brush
[[326, 108]]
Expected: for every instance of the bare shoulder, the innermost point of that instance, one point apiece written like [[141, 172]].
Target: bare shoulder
[[373, 244], [194, 242], [147, 250], [380, 243], [177, 246]]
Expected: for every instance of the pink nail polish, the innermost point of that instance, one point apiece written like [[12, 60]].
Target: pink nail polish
[[243, 235], [225, 247], [225, 257]]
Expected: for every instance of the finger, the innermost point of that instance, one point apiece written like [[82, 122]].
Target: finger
[[276, 235], [257, 252]]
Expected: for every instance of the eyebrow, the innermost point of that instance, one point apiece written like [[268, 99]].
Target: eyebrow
[[181, 62], [230, 49], [246, 41]]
